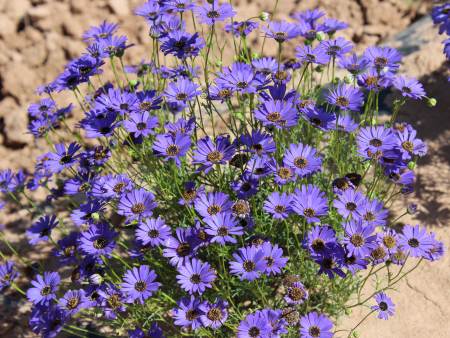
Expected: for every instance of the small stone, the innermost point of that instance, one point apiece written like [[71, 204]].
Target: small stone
[[7, 26], [119, 7]]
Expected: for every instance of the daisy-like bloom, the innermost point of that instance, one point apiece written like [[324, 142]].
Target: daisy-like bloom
[[345, 97], [359, 239], [136, 204], [385, 307], [409, 87], [98, 240], [44, 288], [331, 26], [374, 142], [303, 159], [182, 91], [67, 248], [320, 118], [188, 313], [310, 203], [239, 77], [73, 301], [222, 227], [122, 102], [139, 284], [172, 147], [141, 124], [273, 255], [153, 232], [281, 31], [415, 240], [310, 15], [209, 153], [346, 123], [62, 158], [102, 31], [353, 63], [276, 321], [178, 6], [409, 145], [48, 321], [210, 13], [283, 173], [212, 203], [190, 193], [278, 113], [306, 55], [182, 247], [181, 126], [41, 230], [255, 325], [149, 100], [84, 215], [296, 293], [182, 44], [214, 315], [114, 186], [278, 205], [375, 81], [195, 276], [258, 143], [241, 28], [434, 254], [319, 240], [350, 204], [265, 65], [248, 263], [7, 274], [337, 47], [388, 239], [383, 59], [373, 213], [315, 325], [154, 332], [111, 301]]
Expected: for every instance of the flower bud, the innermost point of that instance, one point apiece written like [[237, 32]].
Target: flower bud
[[348, 79], [255, 56], [95, 216], [320, 36], [133, 83], [411, 208], [219, 63], [96, 279], [264, 16], [411, 165], [431, 101]]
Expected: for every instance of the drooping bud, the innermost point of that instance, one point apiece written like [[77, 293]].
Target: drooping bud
[[431, 102], [264, 16]]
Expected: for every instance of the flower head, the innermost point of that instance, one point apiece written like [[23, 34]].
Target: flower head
[[315, 325], [385, 307], [139, 284], [195, 276], [44, 288]]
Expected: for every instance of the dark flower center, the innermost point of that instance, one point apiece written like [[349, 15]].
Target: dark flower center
[[254, 332], [269, 261], [280, 209], [141, 125], [281, 75], [383, 306], [84, 187], [138, 208], [408, 146], [300, 162], [284, 173], [65, 159], [69, 251], [222, 231], [46, 290], [380, 62], [180, 6], [342, 101], [375, 142], [145, 106], [311, 57], [369, 216], [257, 147], [241, 207], [100, 243], [118, 187], [72, 303], [189, 195], [378, 253], [191, 314], [213, 14], [124, 106], [291, 315], [153, 233], [357, 240], [5, 277], [350, 206], [389, 241], [215, 156], [316, 121], [309, 212], [314, 331], [413, 242], [195, 278], [274, 116], [183, 249], [214, 209], [214, 314], [328, 263], [181, 96], [296, 293], [140, 286], [173, 150], [242, 84], [224, 93], [280, 36], [249, 265], [114, 301], [371, 81], [406, 90], [318, 245]]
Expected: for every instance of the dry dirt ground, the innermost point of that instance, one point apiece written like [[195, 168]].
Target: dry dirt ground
[[38, 37]]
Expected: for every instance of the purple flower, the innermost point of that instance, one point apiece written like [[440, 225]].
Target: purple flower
[[241, 28], [41, 230], [172, 147], [409, 87], [306, 55], [375, 81], [278, 205], [265, 65], [273, 255], [345, 97], [320, 240], [350, 203], [178, 6], [277, 113], [248, 263], [182, 247], [246, 186], [141, 124], [434, 254], [320, 118], [415, 241], [258, 143], [283, 173], [103, 31], [44, 288], [210, 13], [222, 227], [98, 240], [153, 232], [281, 31], [303, 159], [385, 307], [359, 239], [331, 26], [213, 203], [373, 213], [255, 325], [310, 203], [7, 274], [383, 59], [337, 47], [214, 315], [346, 123], [136, 204], [73, 301], [182, 44], [409, 145], [209, 153], [182, 91], [195, 276], [374, 142], [62, 158], [315, 325], [111, 300], [188, 313], [113, 186], [296, 293], [238, 78], [47, 321], [67, 247], [139, 284], [354, 64]]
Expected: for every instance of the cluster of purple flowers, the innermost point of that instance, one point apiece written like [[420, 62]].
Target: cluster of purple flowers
[[441, 17], [165, 218]]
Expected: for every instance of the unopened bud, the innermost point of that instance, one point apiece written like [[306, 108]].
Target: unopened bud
[[411, 165], [133, 83], [348, 79], [255, 56], [95, 216], [411, 208], [96, 279], [431, 102], [219, 63], [320, 36], [264, 16]]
